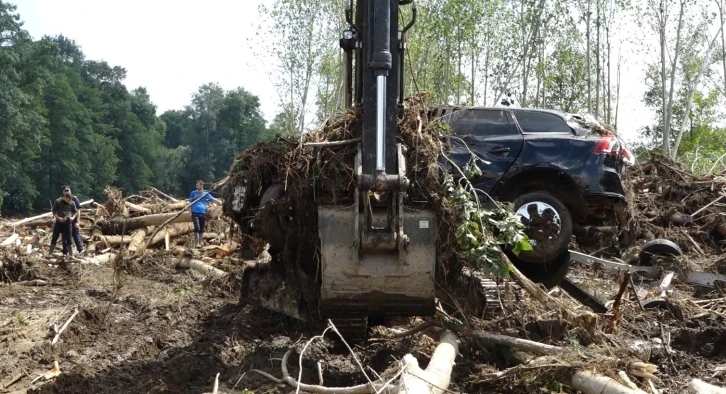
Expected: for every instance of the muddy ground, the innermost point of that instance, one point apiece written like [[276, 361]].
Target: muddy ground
[[162, 331], [158, 329]]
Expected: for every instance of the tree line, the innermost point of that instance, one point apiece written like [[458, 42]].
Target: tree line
[[66, 119], [559, 54]]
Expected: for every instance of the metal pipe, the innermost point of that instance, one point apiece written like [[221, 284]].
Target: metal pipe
[[380, 122], [348, 82]]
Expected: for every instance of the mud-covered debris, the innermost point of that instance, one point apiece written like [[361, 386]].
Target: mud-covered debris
[[668, 201]]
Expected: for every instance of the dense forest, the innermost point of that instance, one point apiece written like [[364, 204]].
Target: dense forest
[[65, 119]]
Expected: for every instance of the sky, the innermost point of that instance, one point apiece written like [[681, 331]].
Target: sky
[[173, 47]]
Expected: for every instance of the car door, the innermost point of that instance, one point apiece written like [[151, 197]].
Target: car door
[[491, 135]]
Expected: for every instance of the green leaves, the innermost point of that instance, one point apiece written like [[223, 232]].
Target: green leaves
[[482, 235], [65, 119]]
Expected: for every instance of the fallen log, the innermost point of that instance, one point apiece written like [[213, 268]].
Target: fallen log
[[45, 215], [119, 226], [112, 240], [175, 230], [698, 386], [137, 208], [165, 207], [202, 267], [10, 240], [437, 376], [38, 223], [33, 282], [137, 240], [159, 192], [590, 383], [505, 340], [105, 258]]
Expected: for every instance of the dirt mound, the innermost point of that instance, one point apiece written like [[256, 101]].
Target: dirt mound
[[668, 201]]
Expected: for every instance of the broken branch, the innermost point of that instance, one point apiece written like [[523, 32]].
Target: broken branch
[[332, 143], [65, 325]]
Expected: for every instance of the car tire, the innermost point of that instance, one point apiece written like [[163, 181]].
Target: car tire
[[657, 247], [549, 274], [550, 231]]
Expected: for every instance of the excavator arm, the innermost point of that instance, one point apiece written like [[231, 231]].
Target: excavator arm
[[378, 255]]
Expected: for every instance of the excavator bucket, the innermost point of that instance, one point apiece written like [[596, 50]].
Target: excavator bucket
[[358, 283]]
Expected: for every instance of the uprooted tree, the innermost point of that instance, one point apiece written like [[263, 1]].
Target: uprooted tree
[[318, 170]]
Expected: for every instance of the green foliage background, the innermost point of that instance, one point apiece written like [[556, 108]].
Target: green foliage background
[[65, 119]]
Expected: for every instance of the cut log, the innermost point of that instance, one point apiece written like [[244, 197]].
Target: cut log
[[202, 267], [590, 383], [437, 376], [698, 386], [166, 207], [33, 282], [38, 223], [117, 226], [112, 240], [45, 215], [175, 230], [137, 240], [10, 240], [105, 258], [136, 208]]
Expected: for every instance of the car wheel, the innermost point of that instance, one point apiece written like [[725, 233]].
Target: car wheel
[[549, 274], [548, 225]]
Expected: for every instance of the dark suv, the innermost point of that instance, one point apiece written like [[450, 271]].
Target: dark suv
[[561, 177]]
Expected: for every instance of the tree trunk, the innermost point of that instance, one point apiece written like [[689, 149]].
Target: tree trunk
[[698, 386], [137, 240], [597, 58], [617, 91], [662, 35], [116, 226], [674, 66], [608, 112], [202, 267], [691, 94], [437, 376], [587, 50], [723, 44], [458, 72], [486, 74], [589, 383]]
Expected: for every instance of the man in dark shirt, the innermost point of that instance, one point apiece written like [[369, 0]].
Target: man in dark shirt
[[64, 212], [75, 227]]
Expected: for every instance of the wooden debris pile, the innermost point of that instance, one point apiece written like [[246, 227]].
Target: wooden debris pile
[[669, 201], [138, 225]]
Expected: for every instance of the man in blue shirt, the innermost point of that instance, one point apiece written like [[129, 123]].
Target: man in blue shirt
[[199, 210], [75, 227]]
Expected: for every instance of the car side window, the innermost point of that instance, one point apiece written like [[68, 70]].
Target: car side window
[[540, 122], [482, 123]]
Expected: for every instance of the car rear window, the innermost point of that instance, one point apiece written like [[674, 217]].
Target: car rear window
[[481, 123], [540, 122]]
